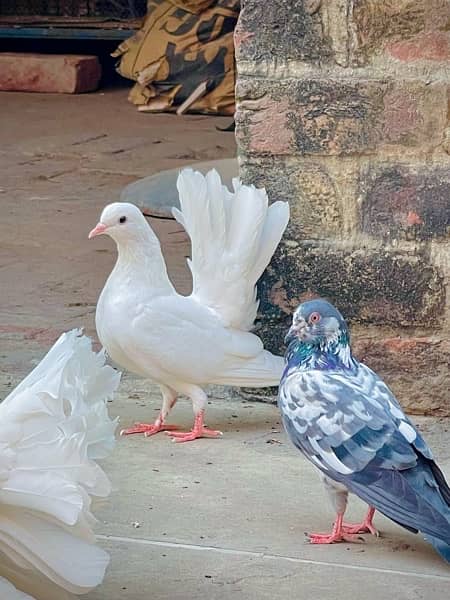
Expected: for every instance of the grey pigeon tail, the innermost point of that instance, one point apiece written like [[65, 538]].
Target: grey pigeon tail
[[347, 422]]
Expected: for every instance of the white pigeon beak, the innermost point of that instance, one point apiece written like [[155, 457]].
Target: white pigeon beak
[[98, 230]]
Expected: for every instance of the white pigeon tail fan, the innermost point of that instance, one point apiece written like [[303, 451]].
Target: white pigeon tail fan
[[52, 427], [233, 237]]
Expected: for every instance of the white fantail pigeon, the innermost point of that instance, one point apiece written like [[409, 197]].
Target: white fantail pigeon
[[54, 426], [185, 342], [347, 422]]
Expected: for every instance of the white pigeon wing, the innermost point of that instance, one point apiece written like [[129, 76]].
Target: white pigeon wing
[[233, 237], [191, 345]]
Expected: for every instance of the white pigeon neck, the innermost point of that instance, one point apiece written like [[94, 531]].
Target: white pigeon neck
[[140, 263]]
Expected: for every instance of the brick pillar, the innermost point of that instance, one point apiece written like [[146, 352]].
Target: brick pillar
[[343, 110]]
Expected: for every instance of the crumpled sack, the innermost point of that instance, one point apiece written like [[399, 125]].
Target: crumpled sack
[[183, 50]]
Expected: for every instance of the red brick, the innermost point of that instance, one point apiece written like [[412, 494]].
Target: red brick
[[401, 115], [426, 46], [405, 202], [267, 125], [57, 73], [377, 22], [414, 115]]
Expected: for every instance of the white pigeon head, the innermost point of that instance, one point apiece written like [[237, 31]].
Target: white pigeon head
[[122, 221]]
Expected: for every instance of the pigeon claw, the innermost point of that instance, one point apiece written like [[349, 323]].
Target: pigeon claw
[[333, 538], [147, 428], [338, 534], [366, 526], [198, 431], [360, 528], [194, 434]]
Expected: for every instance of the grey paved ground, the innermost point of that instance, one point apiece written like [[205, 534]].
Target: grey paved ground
[[226, 518], [217, 519]]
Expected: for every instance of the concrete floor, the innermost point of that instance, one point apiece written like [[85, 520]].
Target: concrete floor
[[212, 519]]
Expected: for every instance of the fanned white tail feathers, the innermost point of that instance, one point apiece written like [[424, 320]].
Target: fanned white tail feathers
[[52, 428], [233, 237]]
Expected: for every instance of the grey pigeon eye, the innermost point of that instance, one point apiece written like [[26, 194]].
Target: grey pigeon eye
[[122, 219]]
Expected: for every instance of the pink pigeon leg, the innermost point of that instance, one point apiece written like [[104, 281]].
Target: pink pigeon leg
[[337, 534], [198, 431], [366, 526], [169, 400]]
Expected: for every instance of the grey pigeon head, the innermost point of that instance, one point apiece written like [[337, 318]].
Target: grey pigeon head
[[317, 321]]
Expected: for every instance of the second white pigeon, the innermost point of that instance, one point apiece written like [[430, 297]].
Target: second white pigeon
[[54, 427], [181, 342]]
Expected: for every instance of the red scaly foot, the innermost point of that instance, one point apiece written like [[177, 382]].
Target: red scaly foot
[[366, 526], [198, 431], [337, 534], [148, 428]]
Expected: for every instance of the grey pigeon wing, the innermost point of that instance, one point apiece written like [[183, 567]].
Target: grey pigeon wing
[[375, 387], [338, 426]]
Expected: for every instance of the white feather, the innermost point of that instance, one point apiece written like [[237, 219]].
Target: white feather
[[9, 592], [54, 424]]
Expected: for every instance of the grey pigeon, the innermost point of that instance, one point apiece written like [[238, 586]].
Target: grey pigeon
[[347, 422]]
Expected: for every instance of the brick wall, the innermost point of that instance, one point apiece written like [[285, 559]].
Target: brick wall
[[343, 110]]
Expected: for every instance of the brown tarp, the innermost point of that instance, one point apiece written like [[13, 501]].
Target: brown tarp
[[183, 51]]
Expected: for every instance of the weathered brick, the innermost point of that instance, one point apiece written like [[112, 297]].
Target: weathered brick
[[333, 118], [264, 123], [414, 116], [369, 285], [407, 30], [433, 45], [402, 202], [415, 368], [325, 117], [361, 154], [57, 73], [376, 22], [320, 193], [283, 30], [336, 118]]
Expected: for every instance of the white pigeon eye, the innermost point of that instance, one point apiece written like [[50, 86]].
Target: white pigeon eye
[[122, 219]]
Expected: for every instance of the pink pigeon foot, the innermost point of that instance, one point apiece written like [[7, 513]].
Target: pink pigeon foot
[[198, 431], [336, 535], [366, 526], [148, 428]]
